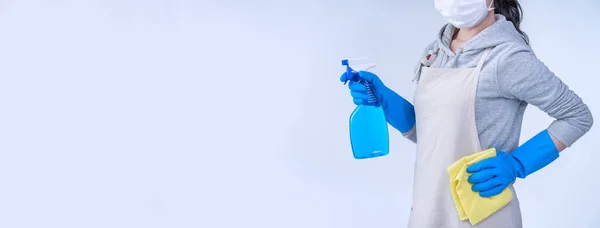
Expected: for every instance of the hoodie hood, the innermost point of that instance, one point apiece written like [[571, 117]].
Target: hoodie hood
[[498, 37]]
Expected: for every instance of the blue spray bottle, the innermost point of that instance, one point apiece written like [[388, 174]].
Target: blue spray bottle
[[369, 134]]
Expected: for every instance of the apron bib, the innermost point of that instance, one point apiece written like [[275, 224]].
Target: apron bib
[[444, 103]]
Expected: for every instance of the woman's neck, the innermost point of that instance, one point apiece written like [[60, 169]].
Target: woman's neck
[[465, 34]]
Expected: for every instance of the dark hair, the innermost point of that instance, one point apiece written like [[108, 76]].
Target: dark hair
[[511, 9]]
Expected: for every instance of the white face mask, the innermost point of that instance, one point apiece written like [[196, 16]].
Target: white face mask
[[463, 13]]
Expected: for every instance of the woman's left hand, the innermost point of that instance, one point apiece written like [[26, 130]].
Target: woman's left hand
[[491, 176]]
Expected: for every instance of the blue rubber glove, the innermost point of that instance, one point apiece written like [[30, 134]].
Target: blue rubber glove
[[491, 176], [398, 112]]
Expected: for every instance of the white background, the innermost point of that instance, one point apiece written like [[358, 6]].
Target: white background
[[229, 114]]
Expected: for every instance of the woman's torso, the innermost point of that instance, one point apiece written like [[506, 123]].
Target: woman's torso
[[498, 119]]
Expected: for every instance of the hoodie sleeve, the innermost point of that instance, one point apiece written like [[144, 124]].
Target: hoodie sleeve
[[521, 75]]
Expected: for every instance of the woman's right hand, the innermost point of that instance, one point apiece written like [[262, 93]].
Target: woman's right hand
[[398, 112], [360, 93]]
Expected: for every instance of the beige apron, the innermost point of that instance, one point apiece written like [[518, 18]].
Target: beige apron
[[445, 112]]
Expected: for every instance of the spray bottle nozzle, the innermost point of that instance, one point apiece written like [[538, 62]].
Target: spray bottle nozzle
[[354, 66]]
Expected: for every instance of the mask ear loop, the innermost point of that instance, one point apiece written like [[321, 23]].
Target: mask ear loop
[[490, 8]]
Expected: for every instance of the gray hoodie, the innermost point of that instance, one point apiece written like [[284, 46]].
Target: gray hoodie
[[511, 78]]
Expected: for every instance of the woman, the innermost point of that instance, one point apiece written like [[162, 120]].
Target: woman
[[473, 85]]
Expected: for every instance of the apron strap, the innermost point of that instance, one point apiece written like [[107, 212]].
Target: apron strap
[[482, 59]]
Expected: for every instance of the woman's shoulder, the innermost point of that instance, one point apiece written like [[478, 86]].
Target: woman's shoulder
[[512, 50]]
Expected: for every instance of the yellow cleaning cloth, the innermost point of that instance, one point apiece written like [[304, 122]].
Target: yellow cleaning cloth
[[468, 203]]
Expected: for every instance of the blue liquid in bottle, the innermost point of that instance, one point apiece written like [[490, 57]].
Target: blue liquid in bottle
[[369, 134]]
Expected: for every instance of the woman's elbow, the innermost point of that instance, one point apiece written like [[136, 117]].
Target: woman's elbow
[[568, 130], [585, 120], [589, 121]]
